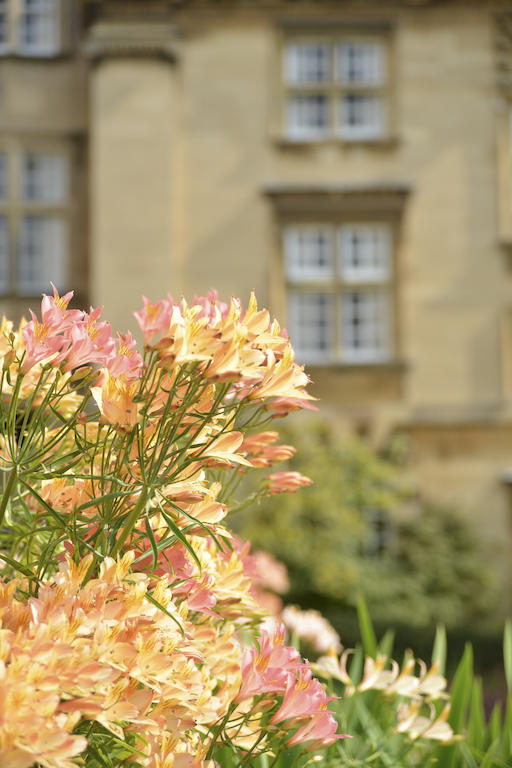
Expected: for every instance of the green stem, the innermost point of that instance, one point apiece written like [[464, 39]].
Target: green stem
[[249, 754], [130, 523], [218, 729], [11, 481]]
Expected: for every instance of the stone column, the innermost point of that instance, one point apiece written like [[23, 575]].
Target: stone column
[[133, 126]]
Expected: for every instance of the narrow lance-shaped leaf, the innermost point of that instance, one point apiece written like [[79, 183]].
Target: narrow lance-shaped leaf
[[439, 649], [476, 723], [507, 653], [494, 728], [507, 729], [368, 637], [386, 643]]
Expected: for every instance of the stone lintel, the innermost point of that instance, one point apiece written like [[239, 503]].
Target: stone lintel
[[337, 197]]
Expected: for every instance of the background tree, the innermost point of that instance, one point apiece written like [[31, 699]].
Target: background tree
[[359, 529]]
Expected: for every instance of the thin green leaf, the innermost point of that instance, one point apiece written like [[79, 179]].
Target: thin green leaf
[[507, 653], [494, 729], [179, 534], [386, 643], [59, 518], [368, 637], [152, 540], [507, 729], [468, 757], [355, 670], [19, 567], [476, 724], [488, 759], [439, 649], [195, 520], [460, 693], [162, 608]]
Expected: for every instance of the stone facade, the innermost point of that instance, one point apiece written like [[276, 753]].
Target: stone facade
[[187, 170]]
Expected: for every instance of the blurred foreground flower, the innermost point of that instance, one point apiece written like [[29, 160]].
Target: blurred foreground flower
[[312, 627]]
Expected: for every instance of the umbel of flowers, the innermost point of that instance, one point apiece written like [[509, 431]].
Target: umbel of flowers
[[129, 626]]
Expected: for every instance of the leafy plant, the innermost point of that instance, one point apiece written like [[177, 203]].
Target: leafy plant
[[403, 717], [130, 633], [426, 567]]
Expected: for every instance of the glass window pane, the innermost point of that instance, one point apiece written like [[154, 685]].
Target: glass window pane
[[4, 254], [44, 178], [307, 116], [361, 116], [39, 27], [365, 253], [4, 26], [365, 326], [42, 254], [308, 253], [310, 322], [361, 63], [3, 176], [307, 63]]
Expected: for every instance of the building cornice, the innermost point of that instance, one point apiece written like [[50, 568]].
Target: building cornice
[[129, 39]]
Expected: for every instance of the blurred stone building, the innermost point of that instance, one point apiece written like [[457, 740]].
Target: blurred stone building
[[350, 161]]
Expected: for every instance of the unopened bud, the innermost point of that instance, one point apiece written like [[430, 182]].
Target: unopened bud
[[9, 359], [80, 373]]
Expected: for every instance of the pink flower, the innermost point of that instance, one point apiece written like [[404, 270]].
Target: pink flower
[[127, 363], [91, 341], [54, 311], [211, 306], [282, 406], [42, 344], [303, 697], [320, 729], [269, 669], [154, 318], [286, 482]]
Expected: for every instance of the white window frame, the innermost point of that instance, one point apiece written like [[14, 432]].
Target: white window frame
[[370, 90], [53, 211], [375, 255], [50, 18], [375, 332], [337, 279]]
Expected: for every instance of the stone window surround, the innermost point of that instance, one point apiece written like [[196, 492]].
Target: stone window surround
[[335, 30], [334, 204], [56, 15], [15, 208]]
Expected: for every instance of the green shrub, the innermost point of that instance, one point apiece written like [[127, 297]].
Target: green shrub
[[424, 566]]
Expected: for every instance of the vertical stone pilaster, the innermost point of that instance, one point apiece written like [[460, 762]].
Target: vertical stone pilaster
[[132, 126]]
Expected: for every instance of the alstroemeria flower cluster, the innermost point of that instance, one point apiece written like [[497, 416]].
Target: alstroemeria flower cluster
[[126, 602], [102, 652], [415, 694], [275, 668]]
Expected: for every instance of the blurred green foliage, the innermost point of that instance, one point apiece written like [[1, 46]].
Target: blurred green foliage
[[359, 529], [481, 736]]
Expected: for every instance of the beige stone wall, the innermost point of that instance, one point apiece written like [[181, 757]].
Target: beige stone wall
[[178, 138], [133, 184]]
